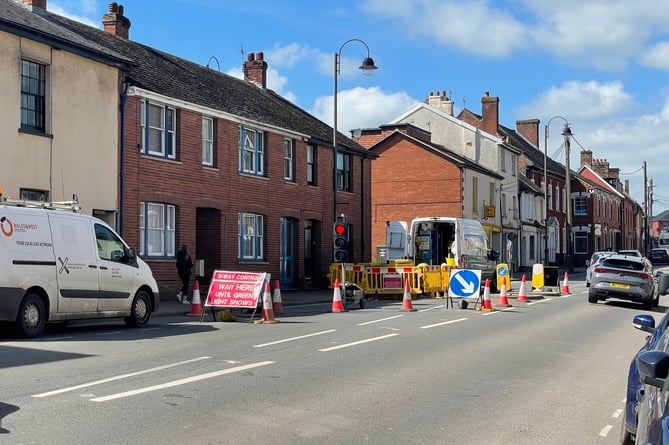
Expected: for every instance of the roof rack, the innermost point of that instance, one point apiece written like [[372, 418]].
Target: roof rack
[[71, 206]]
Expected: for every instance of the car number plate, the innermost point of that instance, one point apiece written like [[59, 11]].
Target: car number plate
[[620, 285]]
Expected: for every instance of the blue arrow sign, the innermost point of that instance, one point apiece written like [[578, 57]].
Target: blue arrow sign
[[464, 283]]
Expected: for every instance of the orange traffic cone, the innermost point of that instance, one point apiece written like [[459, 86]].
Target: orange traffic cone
[[487, 305], [407, 306], [522, 292], [196, 305], [267, 310], [503, 297], [337, 303], [565, 284], [277, 305]]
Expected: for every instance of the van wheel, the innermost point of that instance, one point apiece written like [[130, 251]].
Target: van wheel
[[31, 317], [141, 310]]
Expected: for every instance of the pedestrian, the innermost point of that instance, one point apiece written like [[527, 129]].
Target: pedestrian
[[184, 266]]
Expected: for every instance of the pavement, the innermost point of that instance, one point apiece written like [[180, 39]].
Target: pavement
[[170, 306]]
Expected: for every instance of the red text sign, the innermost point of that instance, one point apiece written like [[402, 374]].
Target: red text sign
[[235, 289]]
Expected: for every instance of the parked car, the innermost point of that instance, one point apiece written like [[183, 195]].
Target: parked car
[[659, 255], [645, 323], [623, 277], [590, 264], [636, 253]]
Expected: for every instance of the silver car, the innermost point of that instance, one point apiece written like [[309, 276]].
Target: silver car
[[594, 258], [623, 277]]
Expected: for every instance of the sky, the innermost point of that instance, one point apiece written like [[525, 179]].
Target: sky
[[600, 65]]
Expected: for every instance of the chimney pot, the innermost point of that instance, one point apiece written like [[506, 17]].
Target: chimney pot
[[115, 22]]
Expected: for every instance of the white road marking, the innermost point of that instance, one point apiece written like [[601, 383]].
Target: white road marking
[[381, 319], [539, 301], [196, 378], [293, 338], [118, 377], [617, 413], [443, 323], [605, 431], [356, 343]]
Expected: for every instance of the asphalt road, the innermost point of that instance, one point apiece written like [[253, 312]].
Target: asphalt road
[[550, 370]]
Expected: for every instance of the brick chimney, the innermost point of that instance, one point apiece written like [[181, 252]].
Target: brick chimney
[[586, 157], [490, 111], [41, 4], [442, 103], [115, 22], [255, 69], [529, 129], [627, 186]]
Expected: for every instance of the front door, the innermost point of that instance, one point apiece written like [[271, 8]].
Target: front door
[[287, 253]]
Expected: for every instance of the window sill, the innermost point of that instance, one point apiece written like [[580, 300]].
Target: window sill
[[35, 132]]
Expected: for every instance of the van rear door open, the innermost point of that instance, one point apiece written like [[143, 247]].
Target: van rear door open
[[76, 264]]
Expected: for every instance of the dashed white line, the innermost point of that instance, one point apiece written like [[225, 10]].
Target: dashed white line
[[442, 323], [196, 378], [118, 377], [617, 413], [356, 343], [605, 431], [294, 338], [381, 319]]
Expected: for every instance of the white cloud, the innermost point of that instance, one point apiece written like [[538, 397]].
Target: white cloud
[[657, 56], [275, 82], [64, 8], [362, 108]]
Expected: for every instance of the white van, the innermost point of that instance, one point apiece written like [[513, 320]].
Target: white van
[[58, 265], [435, 240]]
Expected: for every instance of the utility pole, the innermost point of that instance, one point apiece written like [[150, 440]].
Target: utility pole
[[645, 210]]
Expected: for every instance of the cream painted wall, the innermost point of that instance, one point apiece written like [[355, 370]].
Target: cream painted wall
[[82, 116]]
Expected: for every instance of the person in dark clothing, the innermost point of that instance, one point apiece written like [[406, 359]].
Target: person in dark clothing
[[184, 266]]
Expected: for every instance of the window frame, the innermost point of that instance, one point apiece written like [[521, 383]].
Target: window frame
[[289, 160], [311, 164], [344, 174], [251, 151], [251, 240], [167, 130], [168, 230], [33, 106], [208, 151], [580, 205]]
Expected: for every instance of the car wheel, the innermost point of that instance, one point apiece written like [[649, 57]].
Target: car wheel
[[141, 310], [648, 304], [592, 296], [32, 316]]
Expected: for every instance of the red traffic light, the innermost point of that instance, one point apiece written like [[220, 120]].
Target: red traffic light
[[340, 229]]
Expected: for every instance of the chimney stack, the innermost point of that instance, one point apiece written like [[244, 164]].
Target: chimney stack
[[529, 129], [442, 103], [41, 4], [586, 157], [255, 69], [490, 110], [115, 22]]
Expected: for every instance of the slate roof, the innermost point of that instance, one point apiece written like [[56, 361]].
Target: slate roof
[[174, 77]]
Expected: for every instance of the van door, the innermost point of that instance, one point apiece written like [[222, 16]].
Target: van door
[[117, 277], [76, 264]]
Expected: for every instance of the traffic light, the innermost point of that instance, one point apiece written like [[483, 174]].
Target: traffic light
[[340, 234]]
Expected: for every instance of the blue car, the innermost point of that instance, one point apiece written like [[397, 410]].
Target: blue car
[[646, 323]]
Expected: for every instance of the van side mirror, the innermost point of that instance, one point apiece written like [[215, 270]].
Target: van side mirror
[[132, 256], [493, 255]]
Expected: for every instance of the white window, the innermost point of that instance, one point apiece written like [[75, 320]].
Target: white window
[[502, 160], [289, 160], [207, 141], [251, 237], [251, 151], [311, 165], [344, 179], [156, 230], [159, 125], [514, 165], [33, 96]]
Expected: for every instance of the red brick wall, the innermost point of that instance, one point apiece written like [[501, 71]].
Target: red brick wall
[[188, 185], [411, 181]]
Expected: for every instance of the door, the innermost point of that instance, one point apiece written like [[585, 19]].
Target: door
[[287, 253], [117, 277], [76, 263]]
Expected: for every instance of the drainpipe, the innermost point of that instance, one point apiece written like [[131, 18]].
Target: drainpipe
[[124, 92]]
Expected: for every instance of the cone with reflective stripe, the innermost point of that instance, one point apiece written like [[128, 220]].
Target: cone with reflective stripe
[[522, 292], [337, 303], [267, 310], [503, 299], [565, 284], [196, 305], [407, 306], [487, 305], [277, 305]]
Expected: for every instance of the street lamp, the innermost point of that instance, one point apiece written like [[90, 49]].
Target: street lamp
[[367, 68], [566, 132]]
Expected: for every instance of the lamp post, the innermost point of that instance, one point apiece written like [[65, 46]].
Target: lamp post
[[367, 68], [566, 133]]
